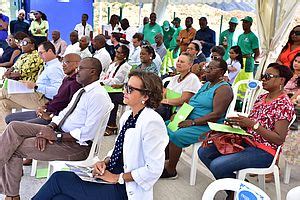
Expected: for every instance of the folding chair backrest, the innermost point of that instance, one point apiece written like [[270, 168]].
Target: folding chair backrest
[[95, 149]]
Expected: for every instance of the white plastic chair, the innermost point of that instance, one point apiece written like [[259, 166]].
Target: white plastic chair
[[194, 163], [241, 174], [93, 156], [288, 167], [293, 194], [254, 89], [242, 188]]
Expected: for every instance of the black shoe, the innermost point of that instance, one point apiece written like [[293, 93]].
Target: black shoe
[[167, 175]]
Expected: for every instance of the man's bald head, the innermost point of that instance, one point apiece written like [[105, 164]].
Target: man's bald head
[[70, 63], [99, 41], [74, 37], [89, 70]]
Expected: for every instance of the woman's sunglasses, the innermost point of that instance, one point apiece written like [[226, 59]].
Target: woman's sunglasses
[[268, 76], [24, 43], [296, 33], [215, 57], [129, 89]]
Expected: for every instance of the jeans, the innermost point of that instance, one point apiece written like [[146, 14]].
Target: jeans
[[224, 166], [28, 116]]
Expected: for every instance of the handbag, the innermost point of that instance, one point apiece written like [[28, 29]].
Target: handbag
[[227, 143]]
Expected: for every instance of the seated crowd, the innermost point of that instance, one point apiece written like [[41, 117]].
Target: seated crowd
[[73, 86]]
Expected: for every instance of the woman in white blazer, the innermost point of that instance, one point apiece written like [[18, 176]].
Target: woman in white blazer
[[135, 163]]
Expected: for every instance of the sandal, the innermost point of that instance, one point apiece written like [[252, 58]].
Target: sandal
[[111, 130]]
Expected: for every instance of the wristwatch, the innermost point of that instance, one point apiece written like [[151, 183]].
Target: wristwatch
[[59, 137], [121, 180], [256, 126]]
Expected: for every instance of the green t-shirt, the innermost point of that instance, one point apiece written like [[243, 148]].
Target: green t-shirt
[[230, 42], [168, 36], [151, 31], [173, 43], [248, 42]]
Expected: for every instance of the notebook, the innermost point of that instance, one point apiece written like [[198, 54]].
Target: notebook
[[110, 89], [180, 116], [227, 129]]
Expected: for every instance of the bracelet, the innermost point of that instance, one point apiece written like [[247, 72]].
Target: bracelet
[[51, 126], [193, 123]]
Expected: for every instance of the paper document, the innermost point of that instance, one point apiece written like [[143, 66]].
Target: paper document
[[85, 173], [110, 89], [180, 116], [16, 87], [170, 94], [227, 129]]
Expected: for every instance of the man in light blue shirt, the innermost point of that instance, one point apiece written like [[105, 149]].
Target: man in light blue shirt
[[47, 84]]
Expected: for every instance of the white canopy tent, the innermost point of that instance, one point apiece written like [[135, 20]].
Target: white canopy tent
[[273, 16]]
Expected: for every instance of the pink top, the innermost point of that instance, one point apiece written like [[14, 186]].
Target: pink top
[[267, 114], [291, 86]]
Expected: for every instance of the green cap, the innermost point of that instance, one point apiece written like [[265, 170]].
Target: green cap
[[166, 24], [248, 19], [176, 19], [234, 20]]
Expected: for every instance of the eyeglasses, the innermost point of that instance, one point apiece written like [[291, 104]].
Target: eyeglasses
[[268, 76], [41, 52], [296, 33], [68, 62], [209, 68], [12, 40], [189, 48], [82, 68], [129, 89], [215, 57], [24, 43]]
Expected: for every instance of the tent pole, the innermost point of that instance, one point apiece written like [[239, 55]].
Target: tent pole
[[108, 15], [221, 25]]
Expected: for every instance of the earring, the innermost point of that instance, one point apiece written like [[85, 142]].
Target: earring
[[143, 102], [150, 57], [280, 87]]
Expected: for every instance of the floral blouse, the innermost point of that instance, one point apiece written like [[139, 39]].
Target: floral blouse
[[28, 65], [267, 114]]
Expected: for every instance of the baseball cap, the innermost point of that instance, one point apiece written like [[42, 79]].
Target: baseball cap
[[248, 19], [166, 25], [234, 20], [176, 19]]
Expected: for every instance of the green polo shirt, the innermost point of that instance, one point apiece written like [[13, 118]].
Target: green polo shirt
[[151, 31], [248, 42], [230, 42]]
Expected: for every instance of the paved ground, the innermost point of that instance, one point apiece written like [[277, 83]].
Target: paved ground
[[178, 189]]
